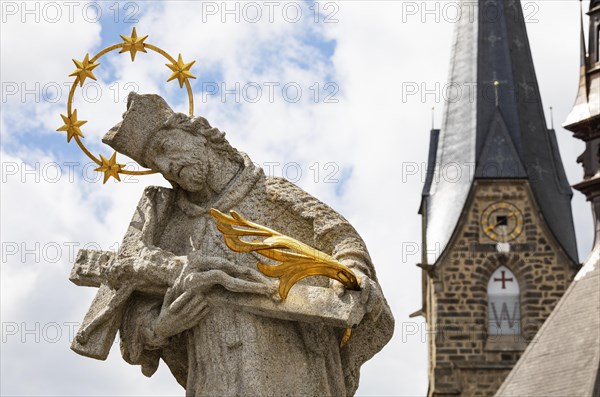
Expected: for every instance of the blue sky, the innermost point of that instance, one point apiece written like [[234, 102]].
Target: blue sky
[[370, 134]]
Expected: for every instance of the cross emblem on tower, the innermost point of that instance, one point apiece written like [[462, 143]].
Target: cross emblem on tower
[[503, 279], [492, 38]]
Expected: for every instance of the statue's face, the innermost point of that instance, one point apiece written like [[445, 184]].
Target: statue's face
[[152, 135], [181, 157]]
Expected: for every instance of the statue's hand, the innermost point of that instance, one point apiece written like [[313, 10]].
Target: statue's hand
[[204, 272], [182, 307], [181, 314], [207, 272], [369, 295], [185, 302]]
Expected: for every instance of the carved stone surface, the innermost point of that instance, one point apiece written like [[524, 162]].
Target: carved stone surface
[[176, 292]]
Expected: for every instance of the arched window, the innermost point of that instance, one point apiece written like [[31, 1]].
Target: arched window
[[504, 306]]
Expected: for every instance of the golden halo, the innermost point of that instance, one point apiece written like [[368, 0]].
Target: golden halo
[[131, 44]]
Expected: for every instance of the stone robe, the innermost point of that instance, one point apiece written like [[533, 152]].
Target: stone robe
[[232, 352]]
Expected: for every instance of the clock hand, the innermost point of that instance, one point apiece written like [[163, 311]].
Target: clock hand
[[492, 227], [489, 228]]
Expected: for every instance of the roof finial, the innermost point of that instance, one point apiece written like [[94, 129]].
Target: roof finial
[[433, 117], [496, 85], [551, 117]]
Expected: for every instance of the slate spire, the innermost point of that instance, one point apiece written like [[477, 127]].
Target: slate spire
[[497, 128]]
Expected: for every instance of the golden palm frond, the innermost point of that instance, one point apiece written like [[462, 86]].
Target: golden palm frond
[[297, 260]]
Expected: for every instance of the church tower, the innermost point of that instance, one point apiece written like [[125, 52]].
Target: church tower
[[499, 245], [559, 363]]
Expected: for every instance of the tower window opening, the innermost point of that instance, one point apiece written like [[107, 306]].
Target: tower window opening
[[504, 304]]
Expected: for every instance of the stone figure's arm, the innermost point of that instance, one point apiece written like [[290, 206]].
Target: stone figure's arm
[[349, 249], [137, 266], [179, 281], [333, 235], [151, 270], [138, 259], [192, 295]]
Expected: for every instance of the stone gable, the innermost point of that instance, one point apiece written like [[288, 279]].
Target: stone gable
[[464, 357]]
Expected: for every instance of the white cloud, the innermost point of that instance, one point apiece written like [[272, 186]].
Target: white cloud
[[38, 41]]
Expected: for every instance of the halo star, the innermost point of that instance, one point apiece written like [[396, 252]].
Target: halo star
[[110, 167], [72, 125], [84, 69], [133, 44], [181, 71]]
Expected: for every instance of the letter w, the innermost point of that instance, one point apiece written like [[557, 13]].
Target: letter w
[[505, 315]]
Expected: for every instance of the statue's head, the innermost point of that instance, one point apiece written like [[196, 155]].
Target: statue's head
[[188, 152]]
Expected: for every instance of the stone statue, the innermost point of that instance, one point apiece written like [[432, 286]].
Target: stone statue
[[176, 292]]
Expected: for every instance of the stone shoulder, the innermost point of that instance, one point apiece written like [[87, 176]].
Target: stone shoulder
[[307, 206]]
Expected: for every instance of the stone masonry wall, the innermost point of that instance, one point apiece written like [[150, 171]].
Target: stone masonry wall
[[465, 359]]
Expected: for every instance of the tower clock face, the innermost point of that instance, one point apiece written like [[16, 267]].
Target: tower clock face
[[502, 221]]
